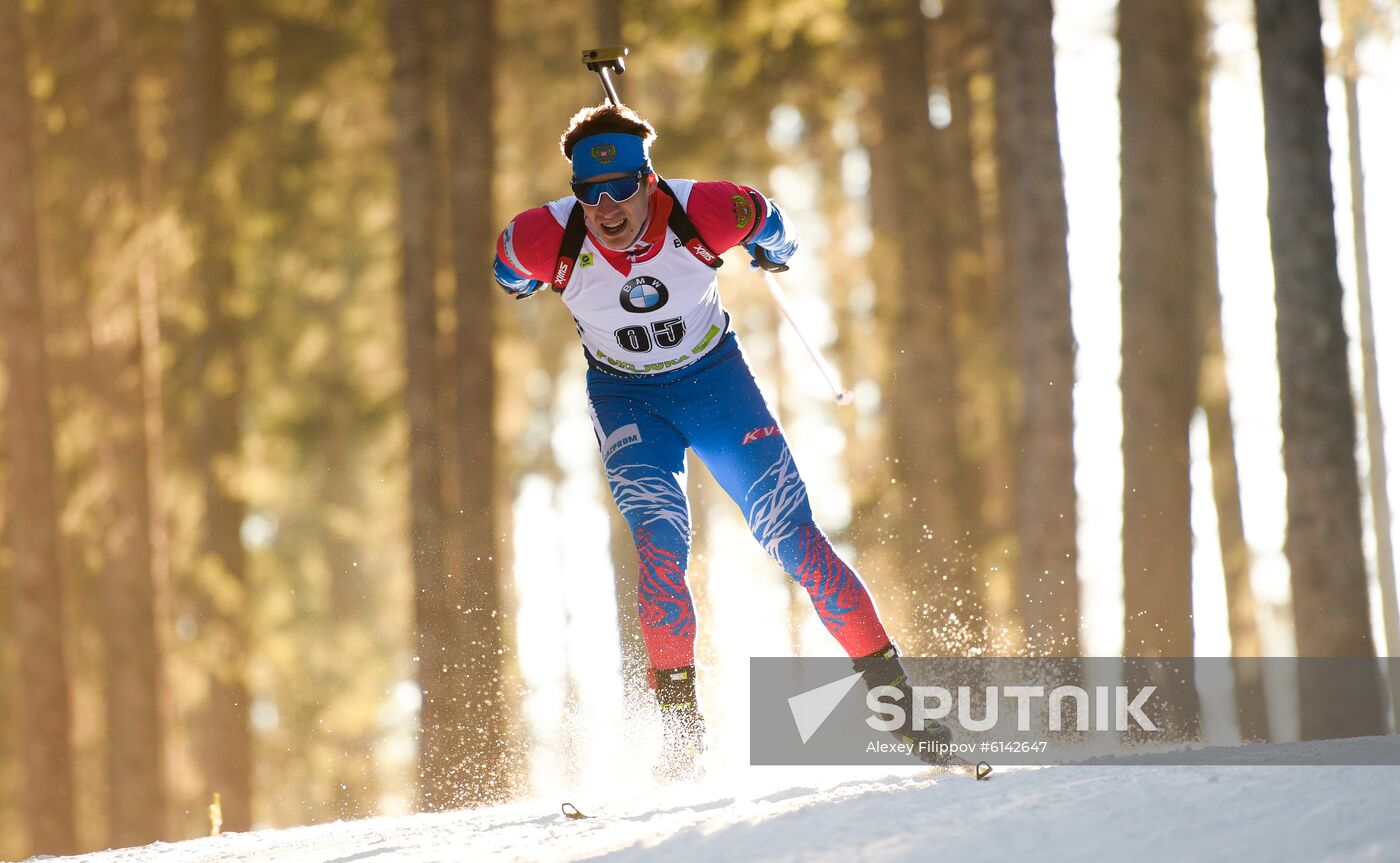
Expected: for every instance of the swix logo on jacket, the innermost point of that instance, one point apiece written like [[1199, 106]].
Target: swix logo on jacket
[[654, 307], [698, 249]]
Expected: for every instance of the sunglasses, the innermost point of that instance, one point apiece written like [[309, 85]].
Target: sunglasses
[[620, 190]]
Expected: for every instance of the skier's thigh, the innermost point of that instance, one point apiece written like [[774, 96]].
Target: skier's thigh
[[644, 457], [745, 449]]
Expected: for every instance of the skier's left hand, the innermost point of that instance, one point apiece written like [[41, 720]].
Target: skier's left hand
[[766, 259]]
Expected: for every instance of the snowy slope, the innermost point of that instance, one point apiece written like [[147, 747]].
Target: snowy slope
[[1139, 813]]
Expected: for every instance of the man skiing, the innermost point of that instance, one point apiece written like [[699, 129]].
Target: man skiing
[[634, 258]]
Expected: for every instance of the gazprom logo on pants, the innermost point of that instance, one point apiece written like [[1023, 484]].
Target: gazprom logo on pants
[[623, 436], [643, 294]]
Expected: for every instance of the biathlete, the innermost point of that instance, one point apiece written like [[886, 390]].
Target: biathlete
[[634, 258]]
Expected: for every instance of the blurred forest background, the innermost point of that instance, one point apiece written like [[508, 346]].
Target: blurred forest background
[[285, 479]]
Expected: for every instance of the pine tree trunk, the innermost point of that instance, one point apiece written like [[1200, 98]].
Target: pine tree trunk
[[1213, 392], [134, 723], [227, 737], [438, 622], [11, 817], [45, 718], [1371, 389], [355, 787], [149, 290], [1035, 228], [471, 106], [1159, 95], [607, 17], [985, 346], [929, 528], [1323, 541], [1250, 708]]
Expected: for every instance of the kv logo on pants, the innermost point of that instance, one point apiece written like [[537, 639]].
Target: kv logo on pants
[[760, 434]]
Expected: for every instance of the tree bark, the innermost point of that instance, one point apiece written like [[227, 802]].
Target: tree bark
[[11, 817], [1158, 95], [1035, 227], [607, 17], [45, 719], [1323, 541], [437, 619], [1250, 708], [227, 743], [136, 788], [1213, 393], [985, 346], [926, 499], [354, 780], [471, 51]]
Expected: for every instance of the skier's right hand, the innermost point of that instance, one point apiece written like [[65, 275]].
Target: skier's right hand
[[516, 285], [529, 290]]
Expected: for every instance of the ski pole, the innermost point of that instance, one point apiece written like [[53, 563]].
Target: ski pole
[[842, 396], [601, 60]]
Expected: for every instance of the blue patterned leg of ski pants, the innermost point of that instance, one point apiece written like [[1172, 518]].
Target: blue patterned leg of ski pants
[[644, 426]]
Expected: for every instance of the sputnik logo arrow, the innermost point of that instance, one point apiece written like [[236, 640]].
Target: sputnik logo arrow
[[811, 708]]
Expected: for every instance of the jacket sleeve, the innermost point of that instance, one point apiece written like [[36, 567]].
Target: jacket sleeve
[[527, 248], [776, 236], [729, 215]]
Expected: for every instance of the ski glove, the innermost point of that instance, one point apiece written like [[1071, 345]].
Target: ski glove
[[514, 284], [775, 245], [762, 259]]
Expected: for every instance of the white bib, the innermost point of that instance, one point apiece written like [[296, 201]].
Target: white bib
[[663, 315]]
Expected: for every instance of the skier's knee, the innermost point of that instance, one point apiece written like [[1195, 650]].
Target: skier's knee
[[661, 536], [650, 500], [665, 527], [779, 510], [807, 556], [782, 537]]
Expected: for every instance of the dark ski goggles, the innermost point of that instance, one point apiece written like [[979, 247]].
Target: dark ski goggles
[[621, 189]]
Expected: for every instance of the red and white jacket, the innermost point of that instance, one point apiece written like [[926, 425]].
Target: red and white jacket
[[654, 307]]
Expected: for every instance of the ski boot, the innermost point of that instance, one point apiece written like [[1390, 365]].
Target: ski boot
[[682, 725], [930, 741]]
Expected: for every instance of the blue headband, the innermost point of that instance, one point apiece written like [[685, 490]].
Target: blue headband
[[609, 153]]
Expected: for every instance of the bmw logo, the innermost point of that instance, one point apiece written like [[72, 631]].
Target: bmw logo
[[643, 294]]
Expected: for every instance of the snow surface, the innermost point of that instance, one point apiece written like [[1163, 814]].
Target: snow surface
[[1139, 812]]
